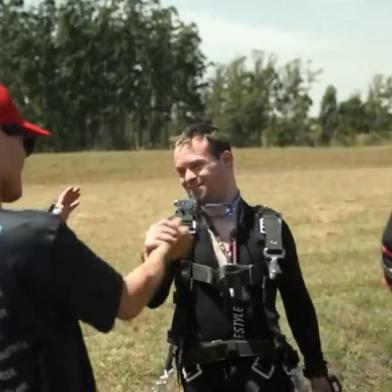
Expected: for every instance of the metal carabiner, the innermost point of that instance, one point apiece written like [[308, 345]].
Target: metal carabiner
[[273, 265]]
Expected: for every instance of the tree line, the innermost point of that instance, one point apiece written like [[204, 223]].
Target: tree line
[[129, 74]]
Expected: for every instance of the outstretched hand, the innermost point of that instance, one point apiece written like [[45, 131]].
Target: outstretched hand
[[67, 202]]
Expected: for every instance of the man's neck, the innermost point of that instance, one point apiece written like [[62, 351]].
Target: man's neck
[[233, 195], [230, 197], [225, 208]]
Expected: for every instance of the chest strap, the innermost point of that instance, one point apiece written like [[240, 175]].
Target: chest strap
[[228, 276], [221, 350]]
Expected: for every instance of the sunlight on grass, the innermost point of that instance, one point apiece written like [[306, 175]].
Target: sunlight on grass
[[336, 201]]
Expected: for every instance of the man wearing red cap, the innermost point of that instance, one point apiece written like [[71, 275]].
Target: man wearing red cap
[[49, 280]]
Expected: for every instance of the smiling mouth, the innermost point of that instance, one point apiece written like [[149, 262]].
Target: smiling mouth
[[198, 186]]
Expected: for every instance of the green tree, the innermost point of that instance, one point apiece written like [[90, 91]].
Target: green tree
[[378, 105], [352, 120], [329, 115], [240, 97], [290, 124], [102, 74]]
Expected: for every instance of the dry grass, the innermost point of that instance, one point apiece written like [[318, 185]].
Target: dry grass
[[336, 201]]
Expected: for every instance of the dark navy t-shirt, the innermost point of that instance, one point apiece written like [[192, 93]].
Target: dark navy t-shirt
[[387, 252], [49, 281], [18, 371]]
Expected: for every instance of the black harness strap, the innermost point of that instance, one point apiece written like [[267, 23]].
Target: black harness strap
[[235, 275], [268, 223], [273, 231], [271, 225], [229, 275], [229, 349]]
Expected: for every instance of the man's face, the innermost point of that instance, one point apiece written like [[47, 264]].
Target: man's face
[[201, 173], [12, 157]]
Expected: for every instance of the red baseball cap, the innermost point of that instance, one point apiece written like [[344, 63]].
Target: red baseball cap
[[10, 114]]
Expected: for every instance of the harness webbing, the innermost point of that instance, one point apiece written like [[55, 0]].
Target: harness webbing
[[263, 272], [273, 231], [229, 275], [229, 349], [271, 225]]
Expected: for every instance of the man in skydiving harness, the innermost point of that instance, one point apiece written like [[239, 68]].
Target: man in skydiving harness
[[225, 330]]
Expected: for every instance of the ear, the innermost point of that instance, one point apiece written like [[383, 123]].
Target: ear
[[227, 158]]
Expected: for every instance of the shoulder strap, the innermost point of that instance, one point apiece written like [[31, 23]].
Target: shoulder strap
[[270, 225], [184, 325]]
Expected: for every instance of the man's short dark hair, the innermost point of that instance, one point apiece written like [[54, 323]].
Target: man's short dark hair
[[217, 142]]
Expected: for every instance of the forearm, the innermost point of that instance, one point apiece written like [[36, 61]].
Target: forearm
[[141, 283], [303, 322], [305, 329], [299, 308], [161, 293]]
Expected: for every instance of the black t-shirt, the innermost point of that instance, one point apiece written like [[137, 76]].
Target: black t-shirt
[[387, 253], [49, 280]]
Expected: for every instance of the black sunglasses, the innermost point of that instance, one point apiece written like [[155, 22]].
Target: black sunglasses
[[17, 130]]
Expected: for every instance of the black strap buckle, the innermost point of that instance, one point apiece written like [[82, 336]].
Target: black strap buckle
[[190, 373], [273, 258], [264, 370], [234, 275], [219, 350]]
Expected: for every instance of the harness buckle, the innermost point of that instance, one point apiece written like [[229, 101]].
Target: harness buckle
[[234, 275], [220, 350], [274, 257], [261, 370], [192, 374]]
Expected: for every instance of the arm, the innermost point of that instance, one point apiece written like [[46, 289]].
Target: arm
[[167, 240], [300, 310], [158, 233], [142, 283], [162, 291], [74, 281]]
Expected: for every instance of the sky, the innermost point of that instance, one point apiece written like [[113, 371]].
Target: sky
[[350, 40]]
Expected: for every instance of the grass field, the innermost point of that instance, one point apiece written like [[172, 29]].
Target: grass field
[[336, 201]]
